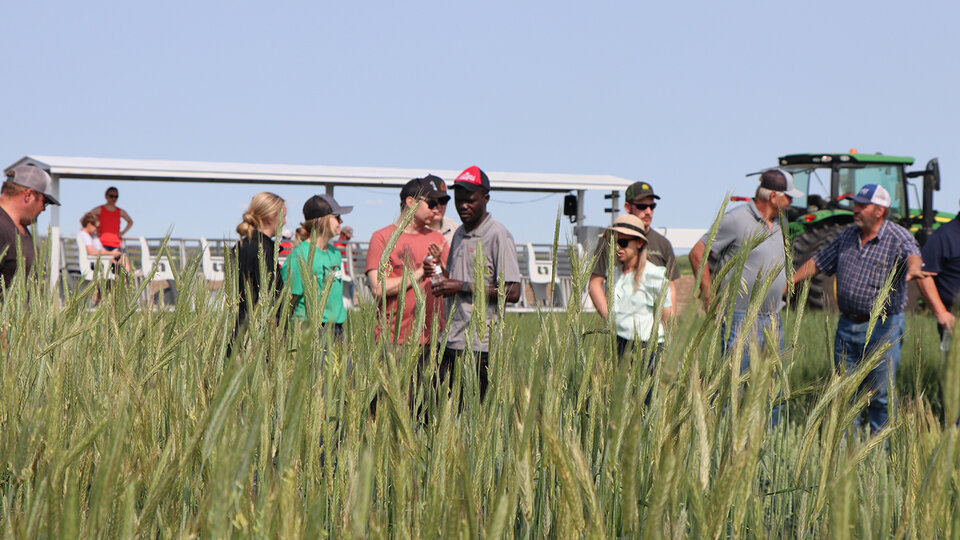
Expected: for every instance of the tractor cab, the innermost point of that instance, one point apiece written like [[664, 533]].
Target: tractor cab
[[830, 179]]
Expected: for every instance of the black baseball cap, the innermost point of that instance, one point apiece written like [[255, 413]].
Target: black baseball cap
[[323, 205], [429, 187], [639, 190]]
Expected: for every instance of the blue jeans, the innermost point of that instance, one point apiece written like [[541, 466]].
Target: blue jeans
[[764, 320], [849, 349]]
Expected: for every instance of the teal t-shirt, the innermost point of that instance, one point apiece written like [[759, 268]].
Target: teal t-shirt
[[327, 264]]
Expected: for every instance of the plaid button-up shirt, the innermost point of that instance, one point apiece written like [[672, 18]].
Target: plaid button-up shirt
[[862, 270]]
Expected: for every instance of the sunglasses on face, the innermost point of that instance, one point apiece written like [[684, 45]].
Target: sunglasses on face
[[624, 242], [112, 196], [642, 207]]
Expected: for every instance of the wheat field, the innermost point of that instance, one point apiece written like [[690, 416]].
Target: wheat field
[[122, 421]]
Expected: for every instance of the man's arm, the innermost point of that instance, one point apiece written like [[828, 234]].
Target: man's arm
[[915, 268], [928, 290], [696, 256], [669, 312], [597, 295], [449, 287], [807, 271]]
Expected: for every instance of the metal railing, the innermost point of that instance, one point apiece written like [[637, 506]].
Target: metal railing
[[539, 292]]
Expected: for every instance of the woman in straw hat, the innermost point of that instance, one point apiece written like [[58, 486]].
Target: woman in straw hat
[[637, 287]]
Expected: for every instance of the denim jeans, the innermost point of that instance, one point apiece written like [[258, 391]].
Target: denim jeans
[[849, 349], [764, 320]]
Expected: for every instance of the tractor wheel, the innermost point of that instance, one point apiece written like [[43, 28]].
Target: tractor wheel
[[823, 290]]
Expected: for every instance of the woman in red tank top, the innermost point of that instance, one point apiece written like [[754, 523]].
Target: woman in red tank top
[[110, 215]]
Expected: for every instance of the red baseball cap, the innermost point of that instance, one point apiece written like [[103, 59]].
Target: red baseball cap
[[472, 179]]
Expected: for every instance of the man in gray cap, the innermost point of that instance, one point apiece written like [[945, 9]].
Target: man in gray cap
[[25, 194], [759, 217]]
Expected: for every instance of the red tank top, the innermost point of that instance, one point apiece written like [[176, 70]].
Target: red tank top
[[109, 229]]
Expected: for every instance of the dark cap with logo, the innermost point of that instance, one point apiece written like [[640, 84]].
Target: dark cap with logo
[[472, 179], [323, 205], [640, 190], [430, 187]]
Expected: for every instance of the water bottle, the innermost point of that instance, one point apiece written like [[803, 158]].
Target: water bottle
[[945, 342], [437, 276]]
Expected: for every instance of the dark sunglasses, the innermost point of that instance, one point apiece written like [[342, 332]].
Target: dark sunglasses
[[114, 196], [433, 203], [642, 207], [624, 242]]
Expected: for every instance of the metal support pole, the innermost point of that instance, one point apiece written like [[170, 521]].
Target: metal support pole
[[615, 205], [581, 234], [55, 236], [329, 189]]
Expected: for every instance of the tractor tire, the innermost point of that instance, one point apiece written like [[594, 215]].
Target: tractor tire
[[823, 289]]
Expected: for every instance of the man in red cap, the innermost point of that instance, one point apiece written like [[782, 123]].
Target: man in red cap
[[479, 235]]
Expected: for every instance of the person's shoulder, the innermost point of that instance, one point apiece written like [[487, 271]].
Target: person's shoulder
[[434, 236], [655, 237], [383, 232], [494, 227], [898, 231]]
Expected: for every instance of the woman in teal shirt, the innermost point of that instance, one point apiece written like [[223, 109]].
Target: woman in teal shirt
[[321, 215]]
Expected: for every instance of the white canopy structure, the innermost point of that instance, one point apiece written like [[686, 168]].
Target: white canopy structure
[[146, 170], [151, 170]]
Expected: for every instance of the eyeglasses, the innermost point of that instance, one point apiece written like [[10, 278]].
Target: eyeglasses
[[624, 242], [642, 207], [339, 219], [113, 196], [432, 203]]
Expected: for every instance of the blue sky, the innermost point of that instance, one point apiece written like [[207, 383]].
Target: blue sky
[[687, 96]]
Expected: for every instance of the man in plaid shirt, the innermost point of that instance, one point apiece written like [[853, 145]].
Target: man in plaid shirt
[[862, 257]]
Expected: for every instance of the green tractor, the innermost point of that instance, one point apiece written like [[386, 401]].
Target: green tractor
[[830, 179]]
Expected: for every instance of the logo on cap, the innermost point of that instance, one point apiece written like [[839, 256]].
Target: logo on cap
[[467, 176]]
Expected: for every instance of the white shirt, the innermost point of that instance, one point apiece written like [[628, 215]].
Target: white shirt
[[89, 240]]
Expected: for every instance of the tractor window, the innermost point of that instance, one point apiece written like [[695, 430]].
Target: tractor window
[[815, 183], [854, 178]]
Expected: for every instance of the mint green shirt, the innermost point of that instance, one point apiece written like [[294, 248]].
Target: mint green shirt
[[633, 306], [326, 264]]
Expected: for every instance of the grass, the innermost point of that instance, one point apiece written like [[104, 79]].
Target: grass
[[122, 421]]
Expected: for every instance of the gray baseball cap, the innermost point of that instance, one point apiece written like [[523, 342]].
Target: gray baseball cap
[[34, 178]]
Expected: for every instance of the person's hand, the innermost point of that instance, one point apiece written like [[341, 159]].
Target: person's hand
[[429, 265], [917, 273], [436, 250], [946, 319], [447, 287]]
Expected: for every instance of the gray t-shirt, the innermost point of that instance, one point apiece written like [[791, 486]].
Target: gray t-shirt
[[8, 244], [736, 228], [500, 253]]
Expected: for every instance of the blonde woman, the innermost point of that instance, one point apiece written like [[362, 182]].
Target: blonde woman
[[260, 223], [321, 258], [637, 285]]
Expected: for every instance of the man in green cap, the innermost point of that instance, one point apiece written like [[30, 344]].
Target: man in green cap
[[640, 201]]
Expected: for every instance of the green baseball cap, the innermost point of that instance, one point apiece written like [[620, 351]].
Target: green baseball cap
[[639, 190]]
